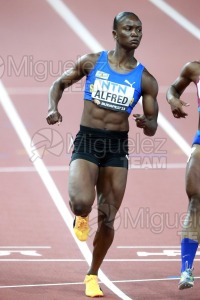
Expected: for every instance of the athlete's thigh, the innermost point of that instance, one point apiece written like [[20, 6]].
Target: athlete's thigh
[[82, 179], [111, 185], [193, 171]]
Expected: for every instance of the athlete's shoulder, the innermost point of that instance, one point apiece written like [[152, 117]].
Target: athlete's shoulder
[[147, 76], [149, 83], [191, 70], [88, 61], [91, 57], [192, 66]]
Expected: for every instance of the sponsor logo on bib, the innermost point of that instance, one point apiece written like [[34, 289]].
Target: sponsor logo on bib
[[102, 75]]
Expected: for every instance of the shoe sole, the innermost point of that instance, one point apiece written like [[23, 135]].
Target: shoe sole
[[185, 285], [96, 296]]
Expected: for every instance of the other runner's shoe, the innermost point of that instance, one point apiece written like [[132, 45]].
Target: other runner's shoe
[[92, 288], [81, 228], [186, 280]]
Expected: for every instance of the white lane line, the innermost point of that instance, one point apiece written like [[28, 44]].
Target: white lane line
[[50, 184], [66, 168], [39, 285], [147, 247], [25, 247], [117, 260], [177, 17], [66, 14], [150, 279], [174, 134], [32, 169], [148, 164], [81, 283], [42, 260]]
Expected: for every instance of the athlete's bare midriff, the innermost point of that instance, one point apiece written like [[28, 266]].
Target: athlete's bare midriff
[[96, 117]]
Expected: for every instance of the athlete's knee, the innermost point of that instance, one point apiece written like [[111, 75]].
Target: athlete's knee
[[106, 227], [80, 207], [107, 215]]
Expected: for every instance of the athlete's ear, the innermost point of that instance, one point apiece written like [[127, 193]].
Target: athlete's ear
[[114, 34]]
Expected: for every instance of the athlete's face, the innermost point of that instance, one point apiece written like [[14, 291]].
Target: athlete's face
[[129, 32]]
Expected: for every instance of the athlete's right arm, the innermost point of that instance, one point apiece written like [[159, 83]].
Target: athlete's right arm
[[81, 68], [176, 90]]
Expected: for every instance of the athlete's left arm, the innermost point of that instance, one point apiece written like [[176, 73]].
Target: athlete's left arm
[[148, 121]]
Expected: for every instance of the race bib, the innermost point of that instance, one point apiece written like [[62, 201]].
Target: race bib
[[112, 95]]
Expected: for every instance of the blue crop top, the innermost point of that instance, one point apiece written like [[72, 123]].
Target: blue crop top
[[112, 90]]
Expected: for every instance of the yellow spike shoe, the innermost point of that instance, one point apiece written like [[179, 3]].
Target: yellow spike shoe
[[92, 288], [81, 228]]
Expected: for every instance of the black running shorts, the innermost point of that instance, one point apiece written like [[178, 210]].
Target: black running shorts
[[105, 148]]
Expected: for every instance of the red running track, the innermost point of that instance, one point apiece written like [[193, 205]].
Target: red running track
[[40, 260]]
